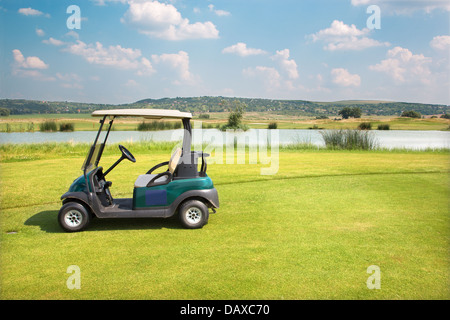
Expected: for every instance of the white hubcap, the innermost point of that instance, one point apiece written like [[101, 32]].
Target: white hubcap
[[73, 218], [193, 215]]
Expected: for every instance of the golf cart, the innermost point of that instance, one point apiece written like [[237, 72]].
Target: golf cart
[[181, 188]]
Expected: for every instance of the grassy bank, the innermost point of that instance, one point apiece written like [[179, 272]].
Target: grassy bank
[[55, 150], [254, 120], [308, 232]]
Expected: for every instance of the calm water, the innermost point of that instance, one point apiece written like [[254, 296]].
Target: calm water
[[387, 139]]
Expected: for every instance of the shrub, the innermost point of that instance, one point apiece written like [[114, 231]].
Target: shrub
[[411, 114], [203, 116], [384, 126], [365, 126], [48, 125], [321, 117], [66, 126], [445, 116], [349, 139], [158, 125], [315, 127], [272, 125]]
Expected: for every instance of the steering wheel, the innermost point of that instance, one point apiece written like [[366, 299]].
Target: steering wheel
[[126, 154]]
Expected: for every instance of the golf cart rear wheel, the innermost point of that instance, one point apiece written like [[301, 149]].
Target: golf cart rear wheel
[[193, 214], [73, 217]]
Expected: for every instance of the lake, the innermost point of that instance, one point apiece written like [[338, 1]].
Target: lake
[[386, 139]]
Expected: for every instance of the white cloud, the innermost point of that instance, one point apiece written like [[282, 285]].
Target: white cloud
[[53, 41], [68, 77], [405, 6], [270, 76], [179, 62], [440, 43], [131, 83], [146, 68], [241, 49], [112, 56], [220, 13], [32, 12], [29, 67], [103, 2], [29, 62], [339, 28], [40, 32], [340, 36], [72, 34], [342, 77], [164, 21], [69, 80], [288, 66], [279, 79], [404, 66]]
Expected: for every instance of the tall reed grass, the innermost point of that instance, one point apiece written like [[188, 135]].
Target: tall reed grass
[[158, 125], [349, 139], [48, 126]]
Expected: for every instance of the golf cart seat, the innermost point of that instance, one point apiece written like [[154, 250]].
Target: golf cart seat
[[150, 180]]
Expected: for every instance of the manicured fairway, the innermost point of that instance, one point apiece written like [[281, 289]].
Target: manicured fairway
[[308, 232]]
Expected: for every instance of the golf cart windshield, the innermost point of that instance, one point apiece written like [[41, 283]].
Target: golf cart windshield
[[96, 150], [92, 158]]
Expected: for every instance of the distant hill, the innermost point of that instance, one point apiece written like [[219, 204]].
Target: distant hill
[[221, 104]]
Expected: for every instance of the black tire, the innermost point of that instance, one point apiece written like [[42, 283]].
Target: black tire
[[193, 214], [73, 217]]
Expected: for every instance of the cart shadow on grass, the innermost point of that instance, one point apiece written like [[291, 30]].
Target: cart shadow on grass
[[48, 222]]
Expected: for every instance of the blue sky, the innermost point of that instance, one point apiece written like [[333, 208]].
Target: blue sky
[[127, 50]]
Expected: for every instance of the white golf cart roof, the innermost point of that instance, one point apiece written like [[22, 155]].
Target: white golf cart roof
[[145, 113]]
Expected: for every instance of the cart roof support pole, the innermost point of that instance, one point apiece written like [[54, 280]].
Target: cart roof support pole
[[187, 138]]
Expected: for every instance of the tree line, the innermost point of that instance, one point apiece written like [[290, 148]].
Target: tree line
[[202, 105]]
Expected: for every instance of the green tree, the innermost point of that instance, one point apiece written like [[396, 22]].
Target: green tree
[[348, 112], [411, 114], [356, 112], [4, 112], [235, 117]]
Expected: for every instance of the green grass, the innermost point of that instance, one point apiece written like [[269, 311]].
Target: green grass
[[308, 232], [254, 120]]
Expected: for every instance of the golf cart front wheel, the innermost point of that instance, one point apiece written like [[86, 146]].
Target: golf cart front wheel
[[73, 217], [193, 214]]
